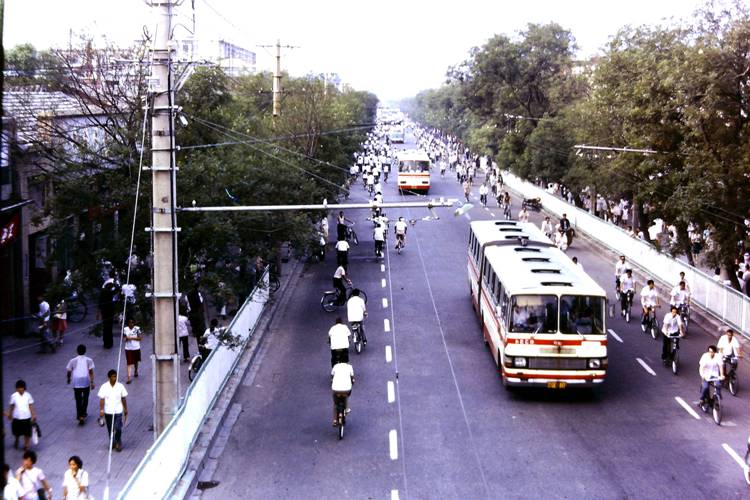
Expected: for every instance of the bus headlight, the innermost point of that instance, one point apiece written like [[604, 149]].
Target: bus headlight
[[595, 364], [519, 362]]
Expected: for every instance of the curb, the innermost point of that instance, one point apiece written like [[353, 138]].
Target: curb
[[220, 413]]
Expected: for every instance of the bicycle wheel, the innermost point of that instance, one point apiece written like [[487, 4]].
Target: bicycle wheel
[[77, 310], [355, 240], [734, 384], [329, 302], [273, 283], [654, 331], [358, 345], [195, 366], [716, 411], [627, 315], [747, 465], [675, 362], [342, 422]]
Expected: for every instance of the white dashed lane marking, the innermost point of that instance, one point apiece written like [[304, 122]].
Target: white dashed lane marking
[[382, 268], [617, 337], [391, 392], [388, 354], [382, 283], [645, 366], [737, 458], [385, 303], [386, 325], [393, 442], [394, 495], [687, 407]]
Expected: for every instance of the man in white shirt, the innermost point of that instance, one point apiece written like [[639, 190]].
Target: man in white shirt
[[338, 339], [547, 227], [620, 268], [578, 264], [483, 191], [400, 229], [672, 326], [43, 315], [729, 348], [342, 380], [378, 235], [523, 215], [679, 295], [339, 276], [356, 310], [649, 300], [113, 407], [342, 253], [627, 289], [81, 373], [710, 367]]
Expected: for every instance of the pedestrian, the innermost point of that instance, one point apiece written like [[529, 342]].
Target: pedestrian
[[9, 485], [467, 190], [338, 339], [75, 480], [43, 315], [81, 373], [210, 339], [21, 414], [32, 479], [342, 253], [113, 407], [483, 191], [324, 227], [60, 322], [183, 333], [107, 311], [132, 337], [196, 311]]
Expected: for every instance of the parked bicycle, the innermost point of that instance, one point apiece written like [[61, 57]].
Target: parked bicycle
[[713, 403]]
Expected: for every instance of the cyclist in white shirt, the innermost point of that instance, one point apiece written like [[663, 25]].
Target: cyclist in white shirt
[[400, 229], [339, 276], [523, 215], [627, 289], [649, 300], [547, 227], [338, 339], [729, 348], [670, 327], [679, 295], [710, 367], [342, 380], [620, 268], [342, 253], [356, 311], [379, 237]]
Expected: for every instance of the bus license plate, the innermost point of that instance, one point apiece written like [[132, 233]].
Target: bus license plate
[[555, 385]]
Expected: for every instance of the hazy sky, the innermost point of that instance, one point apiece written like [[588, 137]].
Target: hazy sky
[[391, 47]]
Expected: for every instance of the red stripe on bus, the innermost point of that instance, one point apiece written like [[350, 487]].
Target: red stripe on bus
[[553, 375]]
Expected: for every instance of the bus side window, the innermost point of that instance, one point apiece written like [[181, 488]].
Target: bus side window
[[498, 293]]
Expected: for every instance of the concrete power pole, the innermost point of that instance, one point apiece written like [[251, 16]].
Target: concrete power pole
[[277, 82], [164, 224]]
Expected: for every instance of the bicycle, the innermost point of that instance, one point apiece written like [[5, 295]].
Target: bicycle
[[76, 309], [747, 462], [351, 236], [506, 211], [626, 303], [650, 324], [684, 312], [730, 379], [330, 299], [273, 279], [358, 335], [400, 242], [713, 403], [673, 360], [341, 414]]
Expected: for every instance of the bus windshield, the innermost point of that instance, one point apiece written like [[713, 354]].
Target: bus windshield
[[414, 166], [534, 314], [582, 315]]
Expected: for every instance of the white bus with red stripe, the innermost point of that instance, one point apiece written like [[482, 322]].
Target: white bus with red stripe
[[542, 316], [413, 171]]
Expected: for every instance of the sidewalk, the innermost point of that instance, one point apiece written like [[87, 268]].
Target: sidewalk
[[62, 437]]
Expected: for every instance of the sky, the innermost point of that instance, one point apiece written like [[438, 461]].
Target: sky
[[394, 48]]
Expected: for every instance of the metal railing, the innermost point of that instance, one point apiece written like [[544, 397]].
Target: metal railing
[[721, 301], [165, 461]]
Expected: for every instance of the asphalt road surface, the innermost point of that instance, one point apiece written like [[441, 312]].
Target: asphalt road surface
[[430, 418]]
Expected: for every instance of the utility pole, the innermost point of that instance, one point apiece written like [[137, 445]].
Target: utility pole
[[163, 223], [277, 76]]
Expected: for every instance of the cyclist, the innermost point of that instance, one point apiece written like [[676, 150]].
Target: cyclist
[[379, 237], [341, 226], [483, 191], [338, 339], [342, 253], [729, 349], [626, 287], [670, 327], [620, 267], [565, 226], [342, 380], [339, 276], [356, 311], [709, 367], [523, 215], [210, 339], [400, 229], [680, 296], [547, 228], [649, 300]]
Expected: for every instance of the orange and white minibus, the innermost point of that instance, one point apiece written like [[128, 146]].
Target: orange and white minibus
[[413, 171], [542, 316]]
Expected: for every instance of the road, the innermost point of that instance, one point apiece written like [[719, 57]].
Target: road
[[430, 418]]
